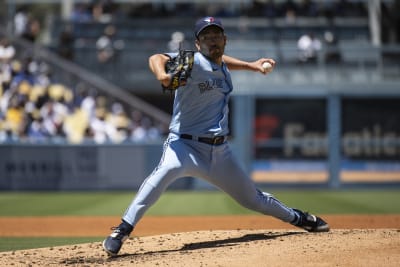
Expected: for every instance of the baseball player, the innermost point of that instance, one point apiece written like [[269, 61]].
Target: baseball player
[[197, 144]]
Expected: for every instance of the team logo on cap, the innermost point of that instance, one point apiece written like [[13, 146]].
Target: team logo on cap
[[209, 20]]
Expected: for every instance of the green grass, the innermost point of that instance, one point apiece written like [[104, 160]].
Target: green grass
[[179, 203], [194, 203], [62, 203]]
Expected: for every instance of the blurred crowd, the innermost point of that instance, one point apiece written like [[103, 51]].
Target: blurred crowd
[[105, 10], [35, 109], [108, 11]]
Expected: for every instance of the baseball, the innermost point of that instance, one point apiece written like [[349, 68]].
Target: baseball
[[267, 66]]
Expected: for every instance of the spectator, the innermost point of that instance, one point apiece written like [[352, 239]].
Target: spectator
[[81, 13], [137, 130], [308, 46], [88, 103], [76, 125], [108, 46], [102, 130], [37, 131], [103, 11], [138, 133], [117, 117], [289, 11], [23, 74], [143, 128], [20, 21], [42, 73], [7, 53], [177, 38], [65, 47], [32, 30], [152, 132], [332, 54], [14, 117], [53, 114]]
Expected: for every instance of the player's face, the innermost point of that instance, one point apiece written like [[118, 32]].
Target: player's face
[[211, 42]]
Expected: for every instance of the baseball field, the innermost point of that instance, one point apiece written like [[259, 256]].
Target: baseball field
[[202, 228]]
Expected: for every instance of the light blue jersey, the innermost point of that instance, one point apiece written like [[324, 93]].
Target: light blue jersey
[[201, 110], [201, 106]]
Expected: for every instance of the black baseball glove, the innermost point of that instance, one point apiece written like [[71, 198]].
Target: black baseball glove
[[180, 69]]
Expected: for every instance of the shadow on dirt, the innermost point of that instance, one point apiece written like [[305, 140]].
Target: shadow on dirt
[[210, 244], [185, 248], [233, 241]]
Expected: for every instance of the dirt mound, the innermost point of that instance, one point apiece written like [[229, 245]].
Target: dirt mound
[[356, 240], [340, 247]]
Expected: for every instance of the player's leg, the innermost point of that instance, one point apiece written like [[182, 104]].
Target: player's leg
[[174, 164], [150, 191], [231, 178], [227, 175]]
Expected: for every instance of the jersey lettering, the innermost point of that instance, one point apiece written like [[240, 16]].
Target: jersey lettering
[[210, 85]]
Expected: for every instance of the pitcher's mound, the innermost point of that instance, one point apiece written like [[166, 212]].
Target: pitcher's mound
[[359, 247]]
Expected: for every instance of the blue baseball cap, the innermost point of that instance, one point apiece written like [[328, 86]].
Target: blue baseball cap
[[205, 22]]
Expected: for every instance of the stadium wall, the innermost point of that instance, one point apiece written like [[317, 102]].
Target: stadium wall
[[71, 167]]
